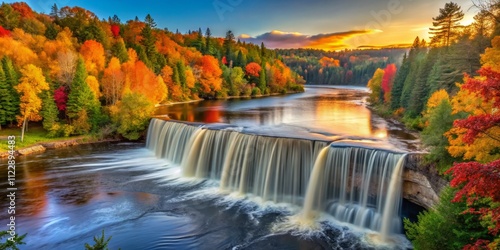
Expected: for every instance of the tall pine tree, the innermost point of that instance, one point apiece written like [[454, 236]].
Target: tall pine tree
[[11, 80], [82, 102], [399, 81], [447, 24]]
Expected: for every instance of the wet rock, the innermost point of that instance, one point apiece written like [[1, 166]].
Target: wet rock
[[421, 182], [31, 150]]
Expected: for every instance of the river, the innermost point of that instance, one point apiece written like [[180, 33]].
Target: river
[[67, 196]]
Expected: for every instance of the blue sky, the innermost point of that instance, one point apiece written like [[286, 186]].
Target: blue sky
[[383, 21]]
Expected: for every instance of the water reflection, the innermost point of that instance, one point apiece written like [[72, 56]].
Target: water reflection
[[335, 113]]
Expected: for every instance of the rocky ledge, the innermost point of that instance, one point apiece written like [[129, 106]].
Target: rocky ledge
[[421, 182]]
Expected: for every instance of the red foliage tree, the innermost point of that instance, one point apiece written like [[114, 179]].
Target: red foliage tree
[[388, 80], [488, 87], [115, 29], [61, 98], [224, 60], [478, 181], [24, 9], [253, 69], [4, 32]]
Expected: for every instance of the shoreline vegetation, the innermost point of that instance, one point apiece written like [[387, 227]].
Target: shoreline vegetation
[[40, 140], [453, 100]]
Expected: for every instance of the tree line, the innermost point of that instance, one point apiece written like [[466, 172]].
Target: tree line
[[347, 67]]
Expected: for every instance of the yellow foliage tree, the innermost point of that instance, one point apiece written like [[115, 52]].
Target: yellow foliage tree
[[19, 52], [375, 85], [31, 84], [435, 100], [470, 103], [491, 56], [94, 86]]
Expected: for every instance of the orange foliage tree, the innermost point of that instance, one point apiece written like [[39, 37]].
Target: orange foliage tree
[[140, 79], [253, 69], [210, 78], [94, 56]]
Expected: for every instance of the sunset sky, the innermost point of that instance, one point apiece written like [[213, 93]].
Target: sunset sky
[[325, 24]]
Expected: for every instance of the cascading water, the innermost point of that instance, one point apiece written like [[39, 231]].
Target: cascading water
[[357, 185]]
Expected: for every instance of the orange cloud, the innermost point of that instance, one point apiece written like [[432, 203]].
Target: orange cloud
[[288, 40]]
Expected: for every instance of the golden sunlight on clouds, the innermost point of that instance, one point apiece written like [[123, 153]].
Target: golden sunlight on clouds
[[286, 40]]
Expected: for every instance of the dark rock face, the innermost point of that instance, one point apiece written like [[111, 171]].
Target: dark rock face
[[421, 182]]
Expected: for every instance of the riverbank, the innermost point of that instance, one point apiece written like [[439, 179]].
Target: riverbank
[[35, 141]]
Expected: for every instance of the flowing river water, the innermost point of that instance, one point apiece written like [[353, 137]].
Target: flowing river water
[[157, 197]]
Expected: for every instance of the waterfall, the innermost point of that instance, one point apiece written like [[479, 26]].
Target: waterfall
[[357, 185]]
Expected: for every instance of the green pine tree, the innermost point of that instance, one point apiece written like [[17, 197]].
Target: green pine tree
[[240, 60], [262, 80], [83, 108], [397, 89], [11, 80], [148, 41], [181, 70], [119, 50], [420, 93], [208, 36], [447, 24], [228, 46], [49, 110]]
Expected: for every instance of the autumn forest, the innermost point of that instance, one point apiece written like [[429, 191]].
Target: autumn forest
[[78, 74], [73, 73]]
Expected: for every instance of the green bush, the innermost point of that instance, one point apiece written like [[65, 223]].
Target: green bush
[[445, 226], [256, 92]]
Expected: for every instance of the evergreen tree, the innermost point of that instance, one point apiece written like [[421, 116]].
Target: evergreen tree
[[51, 32], [49, 110], [240, 60], [175, 76], [228, 46], [7, 105], [208, 36], [420, 92], [150, 21], [410, 81], [446, 25], [12, 79], [82, 102], [148, 41], [54, 12], [399, 81], [116, 19], [119, 50], [181, 70], [263, 78], [198, 44]]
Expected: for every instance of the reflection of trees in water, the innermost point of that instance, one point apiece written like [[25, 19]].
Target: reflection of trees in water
[[33, 199]]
